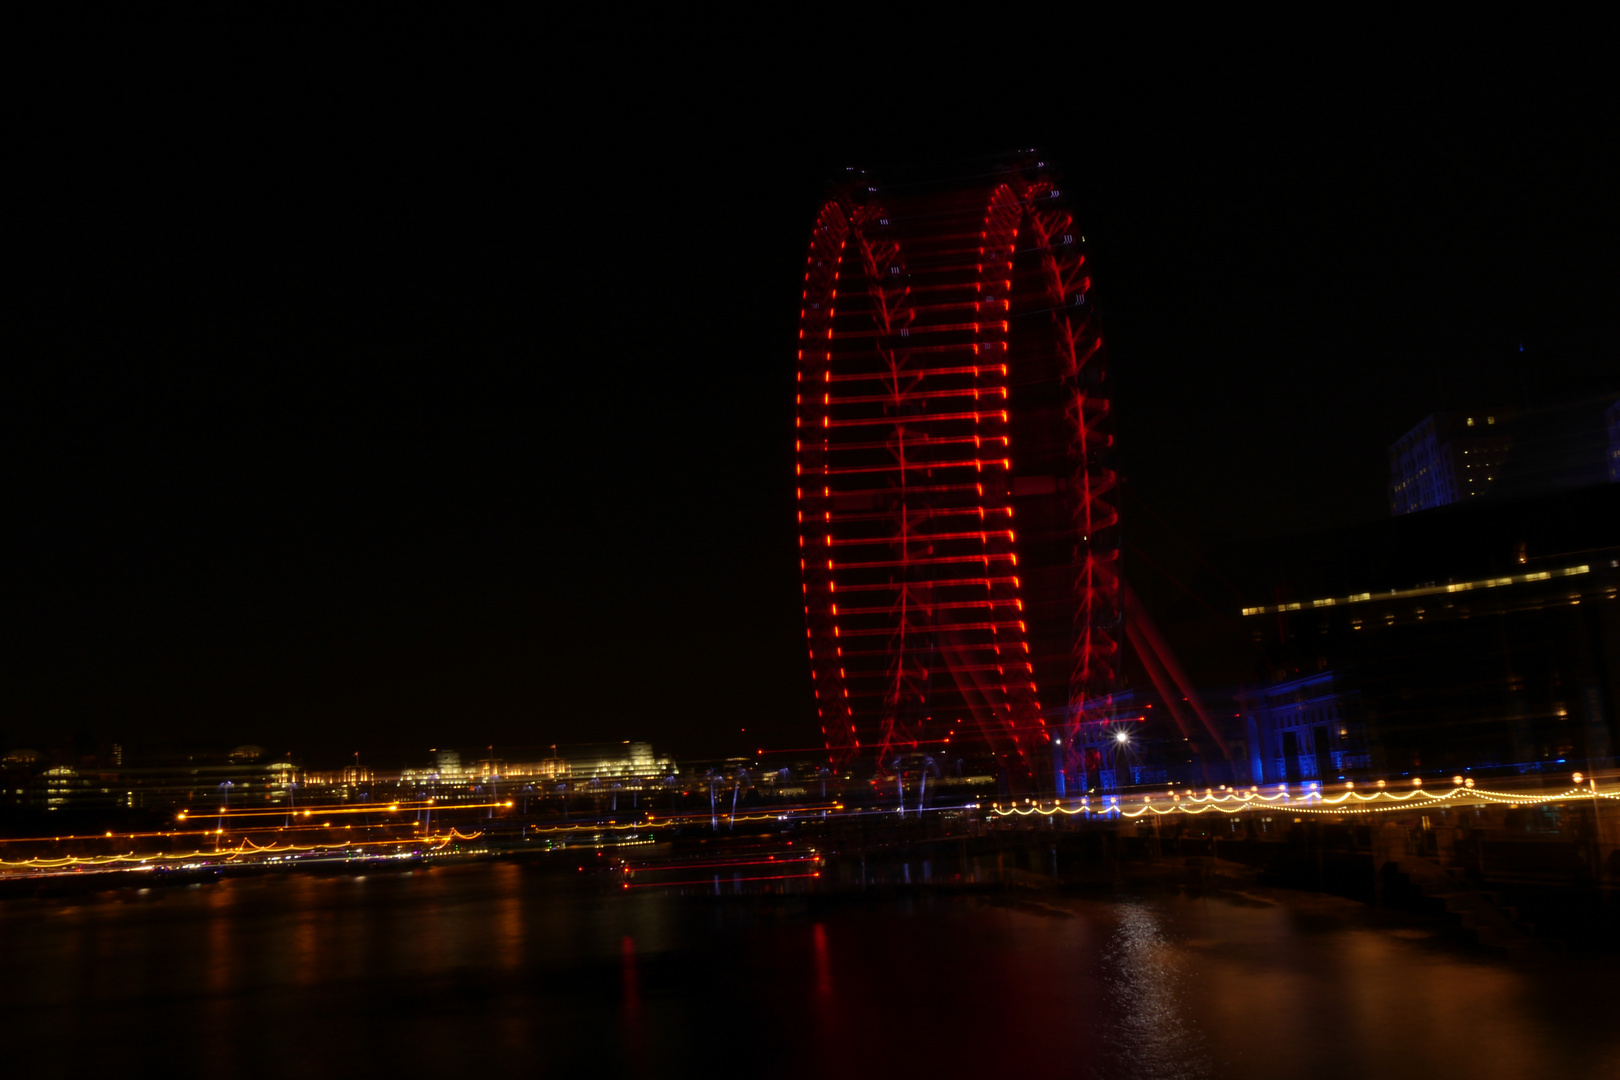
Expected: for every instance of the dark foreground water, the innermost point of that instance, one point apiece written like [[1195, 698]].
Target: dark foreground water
[[493, 970]]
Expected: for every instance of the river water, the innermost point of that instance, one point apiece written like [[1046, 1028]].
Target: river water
[[486, 968]]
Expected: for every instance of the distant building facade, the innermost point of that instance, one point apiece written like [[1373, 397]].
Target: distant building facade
[[1455, 457], [1142, 740], [195, 778], [605, 761], [617, 761], [1304, 729], [1611, 424], [1446, 458], [1498, 649]]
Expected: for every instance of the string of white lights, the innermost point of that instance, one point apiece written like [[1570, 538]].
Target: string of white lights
[[1311, 802]]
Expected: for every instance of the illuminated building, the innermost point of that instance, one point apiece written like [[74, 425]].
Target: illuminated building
[[551, 768], [617, 761], [1447, 457], [955, 478], [351, 775], [1304, 728], [150, 780], [1455, 457], [446, 767], [1486, 637], [626, 760]]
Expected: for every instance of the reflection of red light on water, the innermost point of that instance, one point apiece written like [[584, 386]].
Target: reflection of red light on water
[[629, 978], [823, 961]]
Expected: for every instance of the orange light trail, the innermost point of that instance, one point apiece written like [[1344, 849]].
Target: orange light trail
[[343, 808], [438, 842]]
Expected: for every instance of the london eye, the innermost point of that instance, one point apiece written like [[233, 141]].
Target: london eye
[[956, 478]]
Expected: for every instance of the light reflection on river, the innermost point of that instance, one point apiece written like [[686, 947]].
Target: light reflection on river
[[493, 967]]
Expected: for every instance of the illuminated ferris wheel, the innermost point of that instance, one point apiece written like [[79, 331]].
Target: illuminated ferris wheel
[[956, 480]]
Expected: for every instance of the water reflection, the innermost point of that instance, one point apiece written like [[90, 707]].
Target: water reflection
[[1153, 1035], [219, 965], [497, 966], [823, 962], [509, 916]]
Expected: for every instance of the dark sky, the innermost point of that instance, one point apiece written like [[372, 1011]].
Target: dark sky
[[446, 400]]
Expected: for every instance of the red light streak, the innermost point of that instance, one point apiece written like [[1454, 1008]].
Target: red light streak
[[772, 861], [710, 881]]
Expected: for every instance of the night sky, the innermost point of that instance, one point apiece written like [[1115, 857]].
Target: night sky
[[449, 403]]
